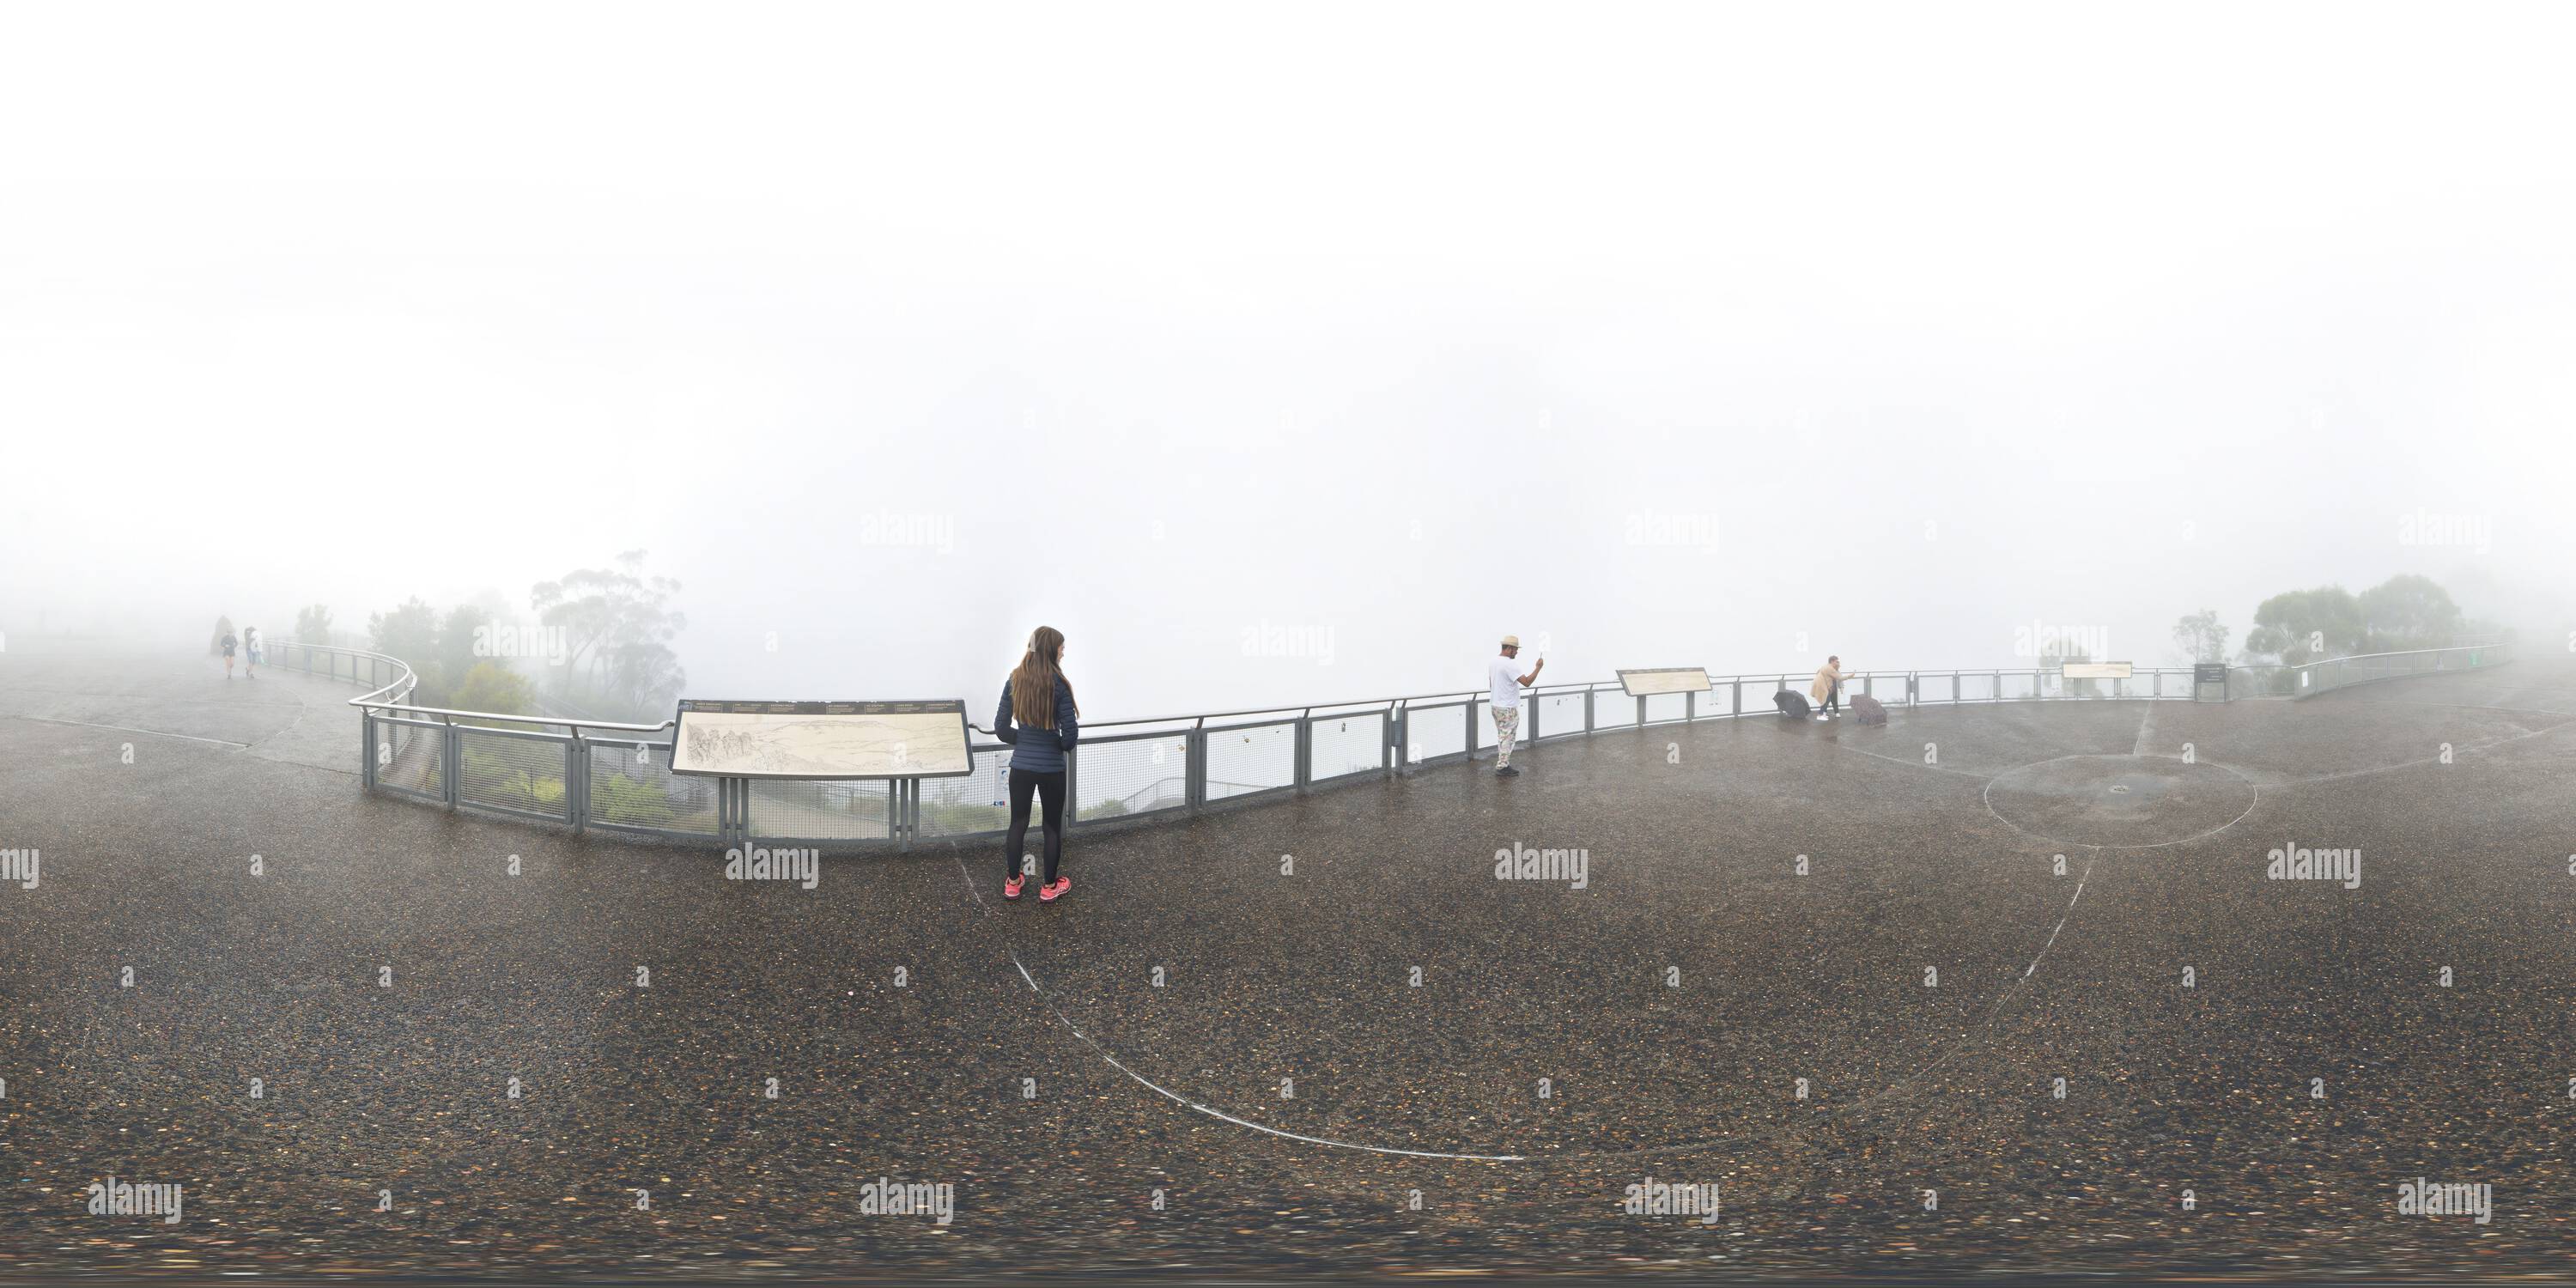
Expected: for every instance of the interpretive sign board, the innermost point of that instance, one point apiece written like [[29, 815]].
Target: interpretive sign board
[[1670, 679], [2100, 670], [821, 739]]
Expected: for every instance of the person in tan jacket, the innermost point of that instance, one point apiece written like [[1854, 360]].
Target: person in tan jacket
[[1828, 689]]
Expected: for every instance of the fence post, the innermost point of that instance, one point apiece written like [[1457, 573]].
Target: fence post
[[367, 746], [1735, 685], [1194, 766], [1305, 766], [1471, 727], [451, 754], [898, 810], [577, 782]]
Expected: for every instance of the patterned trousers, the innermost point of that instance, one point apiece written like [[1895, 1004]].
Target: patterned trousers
[[1507, 730]]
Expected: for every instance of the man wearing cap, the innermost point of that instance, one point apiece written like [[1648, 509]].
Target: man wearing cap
[[1507, 702]]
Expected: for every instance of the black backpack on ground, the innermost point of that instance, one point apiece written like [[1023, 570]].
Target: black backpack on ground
[[1791, 703]]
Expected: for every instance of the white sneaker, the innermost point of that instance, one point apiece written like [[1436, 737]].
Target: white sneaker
[[1822, 716]]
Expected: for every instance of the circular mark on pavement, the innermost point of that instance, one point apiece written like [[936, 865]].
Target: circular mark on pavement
[[2119, 800]]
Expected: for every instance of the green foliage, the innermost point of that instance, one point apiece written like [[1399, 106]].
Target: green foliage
[[491, 686], [499, 780], [2408, 612], [2200, 636], [948, 817], [2404, 612], [2301, 626], [313, 624], [616, 798], [410, 632], [618, 626], [455, 658]]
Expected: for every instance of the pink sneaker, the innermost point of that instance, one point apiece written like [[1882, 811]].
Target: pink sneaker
[[1011, 888], [1054, 890]]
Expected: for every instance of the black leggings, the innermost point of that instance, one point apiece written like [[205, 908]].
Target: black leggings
[[1050, 787], [1833, 700]]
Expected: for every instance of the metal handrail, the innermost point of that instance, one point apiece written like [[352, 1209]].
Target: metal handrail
[[441, 771], [517, 719]]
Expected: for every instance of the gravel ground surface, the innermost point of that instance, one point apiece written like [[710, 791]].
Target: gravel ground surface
[[1388, 1060]]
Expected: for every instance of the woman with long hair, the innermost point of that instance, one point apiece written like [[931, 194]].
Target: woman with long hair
[[1040, 721]]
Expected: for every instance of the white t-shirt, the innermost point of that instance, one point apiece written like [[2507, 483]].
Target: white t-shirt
[[1506, 676]]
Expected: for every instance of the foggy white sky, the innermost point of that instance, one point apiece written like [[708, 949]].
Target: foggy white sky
[[1384, 328]]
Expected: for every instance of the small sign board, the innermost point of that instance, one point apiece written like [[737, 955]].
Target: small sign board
[[821, 739], [2100, 670], [2209, 673], [1669, 679]]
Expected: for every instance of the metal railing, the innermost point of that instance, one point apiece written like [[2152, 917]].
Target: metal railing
[[615, 777]]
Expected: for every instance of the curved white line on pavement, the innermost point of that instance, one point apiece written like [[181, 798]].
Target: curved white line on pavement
[[2250, 786], [1222, 1116], [1218, 1114]]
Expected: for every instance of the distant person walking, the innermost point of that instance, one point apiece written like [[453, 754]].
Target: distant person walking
[[1040, 721], [1828, 688], [250, 651], [229, 642], [1506, 684]]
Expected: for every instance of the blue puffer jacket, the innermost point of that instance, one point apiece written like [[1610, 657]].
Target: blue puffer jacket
[[1039, 751]]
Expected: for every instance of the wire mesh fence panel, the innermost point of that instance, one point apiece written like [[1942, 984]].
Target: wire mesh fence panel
[[632, 786], [502, 772], [1138, 776], [970, 803], [820, 809], [411, 758], [1242, 761], [1484, 722], [1347, 745], [2020, 684], [1433, 732], [1664, 706], [1559, 714], [1977, 687], [1936, 688], [2265, 681]]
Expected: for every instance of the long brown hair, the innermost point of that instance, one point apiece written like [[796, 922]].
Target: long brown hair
[[1033, 681]]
